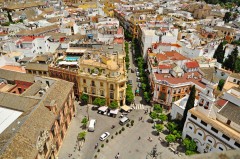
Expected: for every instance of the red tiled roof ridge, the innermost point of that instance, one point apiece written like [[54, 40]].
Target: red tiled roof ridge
[[192, 64]]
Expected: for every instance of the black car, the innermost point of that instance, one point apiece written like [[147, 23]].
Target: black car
[[95, 107]]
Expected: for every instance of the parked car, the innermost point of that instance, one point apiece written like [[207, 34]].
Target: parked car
[[130, 82], [91, 126], [137, 73], [139, 85], [136, 69], [95, 107], [104, 136], [138, 79], [124, 120]]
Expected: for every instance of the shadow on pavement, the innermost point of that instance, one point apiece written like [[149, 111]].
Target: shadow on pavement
[[164, 144], [181, 148], [165, 132], [150, 121], [155, 133]]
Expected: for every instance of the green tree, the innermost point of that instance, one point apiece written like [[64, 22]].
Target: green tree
[[171, 126], [163, 117], [153, 115], [190, 146], [170, 138], [99, 101], [159, 127], [237, 65], [144, 86], [81, 135], [177, 134], [147, 96], [157, 108], [129, 95], [189, 105], [219, 53], [84, 98], [113, 105], [227, 17], [84, 122], [221, 84], [229, 63]]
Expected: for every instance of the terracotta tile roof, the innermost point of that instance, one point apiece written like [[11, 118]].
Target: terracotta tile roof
[[184, 79], [221, 102], [3, 34], [192, 64], [14, 68], [161, 57], [174, 55], [165, 66]]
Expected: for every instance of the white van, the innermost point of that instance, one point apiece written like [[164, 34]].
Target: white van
[[91, 126], [123, 120]]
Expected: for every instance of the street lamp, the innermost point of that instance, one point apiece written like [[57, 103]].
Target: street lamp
[[154, 154]]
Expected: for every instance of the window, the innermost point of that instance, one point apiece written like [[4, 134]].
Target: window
[[234, 80], [225, 137], [84, 80], [93, 83], [85, 89], [111, 95], [101, 84], [237, 144], [215, 130], [220, 148], [193, 116], [179, 91], [200, 134], [190, 127], [101, 92], [209, 141], [111, 86], [202, 122]]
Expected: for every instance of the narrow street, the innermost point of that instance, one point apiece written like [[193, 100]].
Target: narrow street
[[132, 76]]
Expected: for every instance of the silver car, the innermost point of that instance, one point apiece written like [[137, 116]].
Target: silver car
[[104, 136]]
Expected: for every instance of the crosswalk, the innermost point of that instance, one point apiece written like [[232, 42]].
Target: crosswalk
[[137, 106]]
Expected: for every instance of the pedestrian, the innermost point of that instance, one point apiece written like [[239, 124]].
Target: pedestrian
[[139, 137]]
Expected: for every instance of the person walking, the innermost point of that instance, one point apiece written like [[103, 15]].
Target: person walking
[[139, 137]]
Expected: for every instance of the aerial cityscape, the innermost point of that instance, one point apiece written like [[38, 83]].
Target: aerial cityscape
[[123, 79]]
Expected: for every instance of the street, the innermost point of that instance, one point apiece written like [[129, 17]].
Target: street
[[126, 143]]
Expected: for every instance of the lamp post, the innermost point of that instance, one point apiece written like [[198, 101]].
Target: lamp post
[[154, 154]]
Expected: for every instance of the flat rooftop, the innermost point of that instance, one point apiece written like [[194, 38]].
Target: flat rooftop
[[7, 117]]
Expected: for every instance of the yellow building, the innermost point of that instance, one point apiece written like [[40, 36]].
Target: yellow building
[[103, 78], [99, 73]]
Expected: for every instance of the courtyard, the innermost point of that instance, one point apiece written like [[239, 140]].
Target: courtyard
[[127, 144]]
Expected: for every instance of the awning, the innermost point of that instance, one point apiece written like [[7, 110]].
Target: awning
[[103, 109], [115, 111], [125, 108]]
